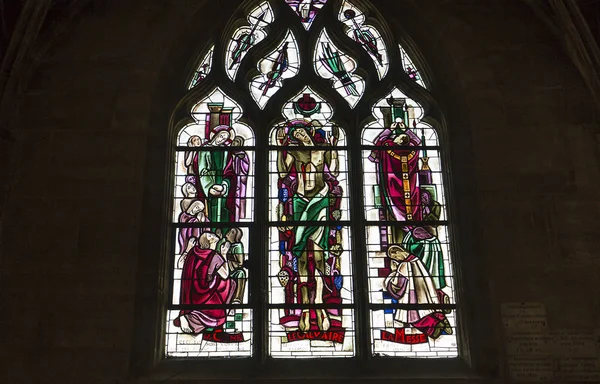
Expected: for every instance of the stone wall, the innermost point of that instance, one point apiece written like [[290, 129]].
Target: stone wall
[[86, 169]]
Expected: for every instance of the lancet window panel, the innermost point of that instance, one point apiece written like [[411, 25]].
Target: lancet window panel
[[411, 284], [310, 271], [210, 313]]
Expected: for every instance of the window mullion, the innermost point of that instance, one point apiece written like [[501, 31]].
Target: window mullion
[[361, 300], [259, 239]]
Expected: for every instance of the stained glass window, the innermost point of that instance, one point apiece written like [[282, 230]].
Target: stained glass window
[[411, 295], [247, 37], [338, 67], [409, 68], [282, 63], [203, 69], [307, 10], [366, 35], [298, 232], [310, 277], [209, 314]]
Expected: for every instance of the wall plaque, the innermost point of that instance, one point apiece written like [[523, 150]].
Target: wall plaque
[[578, 369], [526, 368], [524, 316], [529, 343], [569, 343]]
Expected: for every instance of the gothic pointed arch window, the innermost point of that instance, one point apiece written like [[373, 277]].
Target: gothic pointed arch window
[[310, 212]]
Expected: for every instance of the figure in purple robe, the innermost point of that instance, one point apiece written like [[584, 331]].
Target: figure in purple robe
[[192, 212], [239, 162], [191, 160]]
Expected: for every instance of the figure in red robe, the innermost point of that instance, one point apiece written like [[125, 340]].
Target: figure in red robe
[[397, 173], [238, 168], [204, 280]]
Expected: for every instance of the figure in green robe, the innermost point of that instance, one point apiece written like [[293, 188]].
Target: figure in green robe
[[235, 258], [428, 249], [312, 164], [215, 182]]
